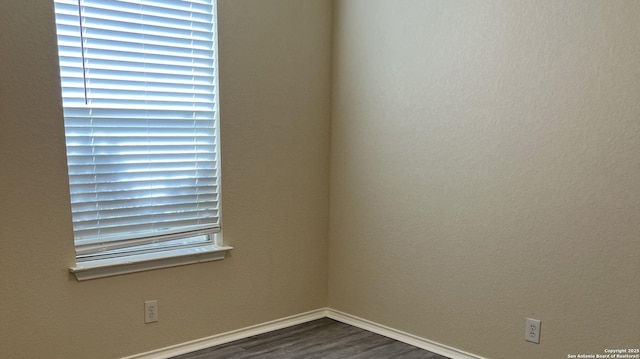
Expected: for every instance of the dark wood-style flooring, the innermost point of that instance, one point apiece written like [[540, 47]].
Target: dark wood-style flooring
[[323, 338]]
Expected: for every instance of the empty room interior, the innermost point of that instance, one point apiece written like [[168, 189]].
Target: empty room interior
[[442, 169]]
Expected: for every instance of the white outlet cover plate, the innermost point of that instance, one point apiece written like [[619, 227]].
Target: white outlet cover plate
[[532, 331], [151, 311]]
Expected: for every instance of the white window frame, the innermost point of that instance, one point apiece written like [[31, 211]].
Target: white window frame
[[152, 251]]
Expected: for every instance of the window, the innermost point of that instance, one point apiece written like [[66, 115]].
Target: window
[[139, 92]]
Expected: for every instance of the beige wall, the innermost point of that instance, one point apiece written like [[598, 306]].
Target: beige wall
[[485, 167], [275, 80]]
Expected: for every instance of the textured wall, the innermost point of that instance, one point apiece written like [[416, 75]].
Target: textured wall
[[275, 79], [485, 167]]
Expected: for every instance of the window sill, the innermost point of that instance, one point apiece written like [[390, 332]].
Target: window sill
[[149, 261]]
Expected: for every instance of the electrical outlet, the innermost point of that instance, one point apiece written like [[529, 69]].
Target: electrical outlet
[[151, 311], [532, 331]]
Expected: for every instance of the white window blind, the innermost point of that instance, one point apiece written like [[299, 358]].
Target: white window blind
[[139, 82]]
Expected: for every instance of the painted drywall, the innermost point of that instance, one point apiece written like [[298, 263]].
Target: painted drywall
[[275, 83], [485, 168]]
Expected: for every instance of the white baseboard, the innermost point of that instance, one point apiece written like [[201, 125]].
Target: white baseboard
[[400, 336], [368, 325], [228, 337]]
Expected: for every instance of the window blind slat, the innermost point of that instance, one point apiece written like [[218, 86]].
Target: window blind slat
[[106, 198], [139, 94], [196, 234], [144, 202]]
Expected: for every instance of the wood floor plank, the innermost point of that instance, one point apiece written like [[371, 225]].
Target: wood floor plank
[[319, 339]]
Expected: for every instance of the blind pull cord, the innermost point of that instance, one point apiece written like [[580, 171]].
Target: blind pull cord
[[84, 70]]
